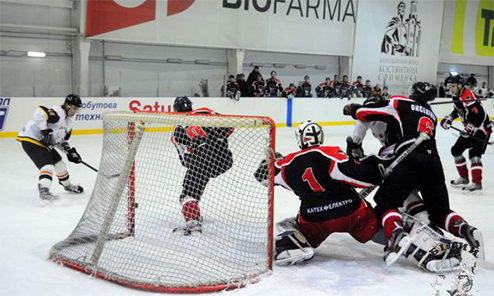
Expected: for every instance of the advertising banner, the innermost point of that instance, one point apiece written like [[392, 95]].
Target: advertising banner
[[299, 26], [468, 32], [396, 42]]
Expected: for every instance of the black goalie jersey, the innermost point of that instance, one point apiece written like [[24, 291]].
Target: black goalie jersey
[[324, 178]]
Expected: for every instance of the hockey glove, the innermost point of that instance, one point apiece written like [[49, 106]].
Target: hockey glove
[[47, 137], [353, 149], [73, 156], [446, 122], [278, 155], [64, 146], [468, 131]]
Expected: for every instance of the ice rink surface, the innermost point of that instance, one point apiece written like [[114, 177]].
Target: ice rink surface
[[341, 265]]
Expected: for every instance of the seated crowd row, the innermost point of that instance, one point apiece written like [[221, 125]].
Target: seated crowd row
[[257, 86]]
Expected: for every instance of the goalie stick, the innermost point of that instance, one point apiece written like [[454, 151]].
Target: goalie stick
[[421, 138]]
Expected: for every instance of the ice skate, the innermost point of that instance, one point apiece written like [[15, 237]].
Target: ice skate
[[473, 189], [72, 188], [460, 182], [191, 228], [399, 243], [46, 196]]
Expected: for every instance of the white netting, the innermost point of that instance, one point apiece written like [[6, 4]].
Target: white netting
[[126, 233]]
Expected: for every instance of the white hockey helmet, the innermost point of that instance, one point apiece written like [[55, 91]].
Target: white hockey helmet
[[309, 134]]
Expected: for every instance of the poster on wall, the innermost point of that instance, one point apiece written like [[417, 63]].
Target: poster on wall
[[297, 26], [468, 32], [396, 42]]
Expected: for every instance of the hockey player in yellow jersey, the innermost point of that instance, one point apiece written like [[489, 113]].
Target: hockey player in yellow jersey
[[51, 128]]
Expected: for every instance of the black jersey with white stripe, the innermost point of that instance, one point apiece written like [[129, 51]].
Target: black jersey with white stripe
[[324, 178], [405, 119]]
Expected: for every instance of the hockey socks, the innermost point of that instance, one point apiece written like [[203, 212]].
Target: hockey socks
[[191, 210], [46, 176], [391, 220], [461, 166], [476, 170], [64, 178]]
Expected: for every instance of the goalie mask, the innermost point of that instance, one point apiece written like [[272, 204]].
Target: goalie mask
[[309, 134]]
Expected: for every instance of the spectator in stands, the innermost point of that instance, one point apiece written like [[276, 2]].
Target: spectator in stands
[[472, 81], [345, 88], [482, 92], [258, 87], [385, 94], [290, 91], [357, 87], [232, 88], [273, 86], [304, 88], [243, 85], [325, 89], [376, 91], [253, 76], [367, 89], [441, 90]]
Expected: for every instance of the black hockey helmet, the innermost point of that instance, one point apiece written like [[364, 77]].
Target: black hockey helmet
[[456, 79], [74, 100], [422, 92], [182, 104]]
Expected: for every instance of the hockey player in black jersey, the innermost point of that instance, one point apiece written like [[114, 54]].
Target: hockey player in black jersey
[[204, 152], [475, 135], [324, 179], [51, 128], [421, 170]]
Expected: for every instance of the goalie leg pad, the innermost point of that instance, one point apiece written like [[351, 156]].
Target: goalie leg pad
[[430, 250], [291, 248]]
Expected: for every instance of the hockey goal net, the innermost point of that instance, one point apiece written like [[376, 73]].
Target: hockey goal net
[[126, 234]]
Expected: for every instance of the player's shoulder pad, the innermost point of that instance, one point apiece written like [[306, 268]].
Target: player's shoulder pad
[[51, 115], [468, 97]]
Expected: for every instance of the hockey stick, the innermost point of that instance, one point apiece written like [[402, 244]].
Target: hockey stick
[[450, 102], [94, 169], [421, 138], [475, 138]]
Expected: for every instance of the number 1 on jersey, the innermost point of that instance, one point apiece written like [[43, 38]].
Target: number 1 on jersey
[[309, 177]]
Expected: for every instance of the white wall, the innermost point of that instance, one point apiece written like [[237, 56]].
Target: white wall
[[24, 76]]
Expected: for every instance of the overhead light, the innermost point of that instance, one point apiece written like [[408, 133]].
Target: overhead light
[[279, 65], [175, 61], [300, 66], [257, 64], [36, 54], [320, 67], [454, 73]]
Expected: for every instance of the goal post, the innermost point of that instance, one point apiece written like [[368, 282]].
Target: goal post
[[126, 232]]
